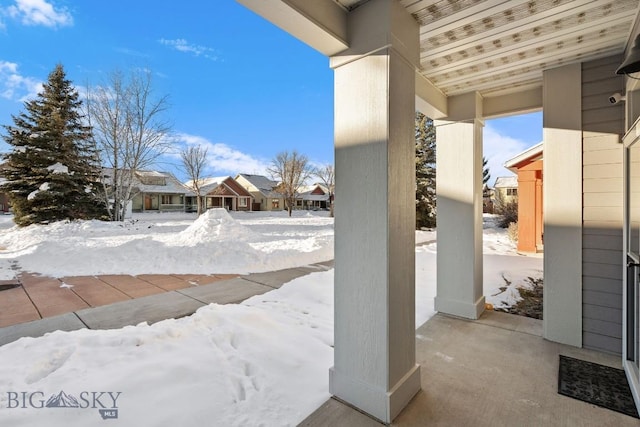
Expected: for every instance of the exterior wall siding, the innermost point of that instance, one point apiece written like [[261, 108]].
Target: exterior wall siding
[[603, 126]]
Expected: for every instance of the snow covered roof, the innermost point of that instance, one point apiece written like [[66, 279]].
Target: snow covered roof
[[310, 192], [506, 182], [151, 174], [207, 184], [315, 197], [263, 184], [167, 183]]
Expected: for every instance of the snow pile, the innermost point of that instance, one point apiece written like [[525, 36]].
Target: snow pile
[[215, 224]]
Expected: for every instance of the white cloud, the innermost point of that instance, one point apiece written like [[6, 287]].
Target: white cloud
[[498, 149], [14, 86], [39, 12], [223, 159], [182, 45]]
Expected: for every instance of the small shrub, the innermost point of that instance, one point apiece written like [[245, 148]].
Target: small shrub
[[512, 232], [508, 213]]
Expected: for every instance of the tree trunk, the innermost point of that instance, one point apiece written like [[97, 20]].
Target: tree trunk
[[199, 205]]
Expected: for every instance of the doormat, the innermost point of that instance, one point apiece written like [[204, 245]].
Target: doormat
[[597, 384]]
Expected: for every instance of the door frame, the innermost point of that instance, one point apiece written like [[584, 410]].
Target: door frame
[[631, 272]]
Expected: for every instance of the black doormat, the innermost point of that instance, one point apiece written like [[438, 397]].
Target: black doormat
[[597, 384]]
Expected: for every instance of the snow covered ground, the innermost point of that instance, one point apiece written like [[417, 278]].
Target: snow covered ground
[[155, 243], [260, 363]]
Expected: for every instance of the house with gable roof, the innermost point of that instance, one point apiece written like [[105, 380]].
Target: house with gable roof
[[153, 190], [220, 192], [505, 189], [266, 198], [313, 197]]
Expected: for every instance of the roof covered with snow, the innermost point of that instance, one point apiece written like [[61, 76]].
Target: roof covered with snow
[[506, 182], [164, 182], [263, 184]]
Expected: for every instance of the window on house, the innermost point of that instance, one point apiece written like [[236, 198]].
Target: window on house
[[275, 204], [512, 191], [166, 199], [242, 202]]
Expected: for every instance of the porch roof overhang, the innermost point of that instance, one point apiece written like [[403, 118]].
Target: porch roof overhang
[[498, 48], [531, 154]]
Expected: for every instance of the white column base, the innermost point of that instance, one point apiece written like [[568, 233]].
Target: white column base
[[460, 308], [381, 404]]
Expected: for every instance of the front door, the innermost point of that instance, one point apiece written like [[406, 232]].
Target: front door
[[631, 276]]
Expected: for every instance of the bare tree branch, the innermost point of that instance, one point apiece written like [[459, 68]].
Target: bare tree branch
[[292, 170], [194, 160], [129, 131], [326, 174]]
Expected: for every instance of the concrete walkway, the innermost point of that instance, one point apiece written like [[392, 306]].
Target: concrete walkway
[[108, 302], [33, 297]]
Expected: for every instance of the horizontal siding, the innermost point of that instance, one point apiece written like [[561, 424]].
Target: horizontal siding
[[602, 342], [602, 199], [602, 157], [609, 170], [604, 271], [596, 141], [602, 213], [602, 171], [602, 299], [601, 285], [598, 185], [602, 327], [601, 241], [613, 257], [605, 314]]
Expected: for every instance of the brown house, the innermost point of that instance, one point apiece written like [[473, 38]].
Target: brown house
[[221, 192]]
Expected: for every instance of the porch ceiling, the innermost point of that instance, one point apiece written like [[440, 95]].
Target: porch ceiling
[[500, 47]]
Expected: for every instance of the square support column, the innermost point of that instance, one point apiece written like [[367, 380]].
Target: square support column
[[459, 217], [374, 359], [562, 134]]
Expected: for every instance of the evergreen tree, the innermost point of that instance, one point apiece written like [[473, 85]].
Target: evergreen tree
[[486, 175], [425, 171], [53, 171]]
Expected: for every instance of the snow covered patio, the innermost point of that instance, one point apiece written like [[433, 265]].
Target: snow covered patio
[[261, 362]]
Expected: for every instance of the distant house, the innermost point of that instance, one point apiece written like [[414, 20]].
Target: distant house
[[221, 192], [505, 189], [313, 197], [263, 191], [158, 191], [154, 191], [528, 166], [5, 206]]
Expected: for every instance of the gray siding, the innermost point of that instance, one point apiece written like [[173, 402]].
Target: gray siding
[[603, 125]]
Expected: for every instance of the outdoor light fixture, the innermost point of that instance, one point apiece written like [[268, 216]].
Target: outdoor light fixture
[[631, 63]]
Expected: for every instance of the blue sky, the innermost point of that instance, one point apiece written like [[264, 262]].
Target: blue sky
[[235, 82]]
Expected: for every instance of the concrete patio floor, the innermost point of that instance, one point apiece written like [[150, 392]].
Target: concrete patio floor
[[497, 371]]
